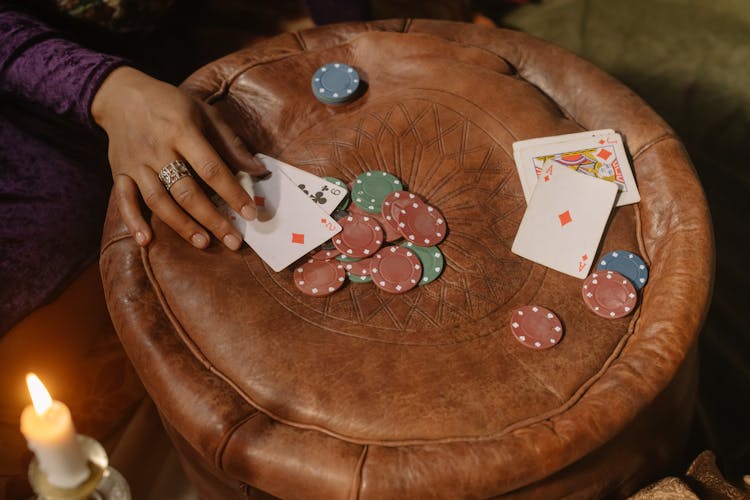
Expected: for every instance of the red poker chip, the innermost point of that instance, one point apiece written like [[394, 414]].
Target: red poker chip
[[609, 294], [324, 254], [396, 269], [536, 327], [360, 268], [319, 278], [391, 209], [422, 224], [360, 236], [390, 233]]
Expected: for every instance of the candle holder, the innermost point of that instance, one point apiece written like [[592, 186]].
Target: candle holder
[[104, 482]]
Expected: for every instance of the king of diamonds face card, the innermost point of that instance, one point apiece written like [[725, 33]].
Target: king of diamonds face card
[[599, 155]]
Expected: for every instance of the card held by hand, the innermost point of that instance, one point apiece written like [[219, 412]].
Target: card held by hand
[[565, 220], [323, 193], [289, 223]]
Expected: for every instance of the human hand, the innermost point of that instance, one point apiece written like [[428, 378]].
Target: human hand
[[151, 124]]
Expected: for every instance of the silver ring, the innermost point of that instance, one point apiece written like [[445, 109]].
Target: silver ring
[[173, 173]]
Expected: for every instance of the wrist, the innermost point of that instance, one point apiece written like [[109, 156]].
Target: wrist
[[111, 91]]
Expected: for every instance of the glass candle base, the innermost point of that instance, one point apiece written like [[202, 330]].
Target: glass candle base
[[104, 483]]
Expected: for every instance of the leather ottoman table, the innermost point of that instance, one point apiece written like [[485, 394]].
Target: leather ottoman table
[[363, 394]]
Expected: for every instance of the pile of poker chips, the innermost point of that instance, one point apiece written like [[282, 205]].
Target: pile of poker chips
[[610, 292], [381, 213]]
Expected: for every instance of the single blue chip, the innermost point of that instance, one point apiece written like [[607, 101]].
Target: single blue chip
[[335, 83], [628, 264]]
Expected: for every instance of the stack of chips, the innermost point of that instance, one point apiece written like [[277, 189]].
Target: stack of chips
[[381, 213]]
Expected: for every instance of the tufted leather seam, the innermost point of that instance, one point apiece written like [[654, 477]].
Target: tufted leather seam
[[224, 441], [638, 222], [664, 137], [639, 233], [112, 241], [226, 84], [219, 93], [487, 51], [356, 486], [300, 40]]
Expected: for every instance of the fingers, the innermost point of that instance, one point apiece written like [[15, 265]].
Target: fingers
[[173, 207], [126, 196], [211, 168], [231, 147], [188, 195], [162, 204]]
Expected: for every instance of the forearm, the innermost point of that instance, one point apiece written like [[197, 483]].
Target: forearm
[[39, 66]]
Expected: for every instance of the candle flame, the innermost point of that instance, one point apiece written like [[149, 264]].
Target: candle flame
[[39, 395]]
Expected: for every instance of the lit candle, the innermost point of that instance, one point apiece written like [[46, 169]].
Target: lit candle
[[49, 432]]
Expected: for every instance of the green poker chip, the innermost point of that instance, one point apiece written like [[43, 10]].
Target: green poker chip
[[344, 203], [344, 258], [432, 260], [369, 189], [359, 279]]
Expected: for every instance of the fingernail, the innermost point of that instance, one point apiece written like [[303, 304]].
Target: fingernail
[[140, 238], [199, 240], [248, 212], [232, 242], [260, 169]]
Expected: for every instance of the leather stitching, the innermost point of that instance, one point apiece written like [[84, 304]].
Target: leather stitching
[[224, 441], [355, 491], [664, 137]]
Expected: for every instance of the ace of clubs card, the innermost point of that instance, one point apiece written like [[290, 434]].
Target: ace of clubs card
[[564, 221]]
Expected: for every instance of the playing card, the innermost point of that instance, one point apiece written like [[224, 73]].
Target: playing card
[[600, 155], [288, 225], [554, 139], [564, 221], [233, 217], [325, 194]]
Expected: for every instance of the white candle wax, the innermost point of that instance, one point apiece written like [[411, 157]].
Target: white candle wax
[[50, 434]]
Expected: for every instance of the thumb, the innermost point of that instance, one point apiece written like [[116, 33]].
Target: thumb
[[232, 148]]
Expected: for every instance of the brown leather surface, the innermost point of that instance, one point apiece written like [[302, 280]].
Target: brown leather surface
[[372, 395]]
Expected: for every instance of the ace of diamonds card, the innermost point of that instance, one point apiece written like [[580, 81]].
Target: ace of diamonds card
[[565, 219]]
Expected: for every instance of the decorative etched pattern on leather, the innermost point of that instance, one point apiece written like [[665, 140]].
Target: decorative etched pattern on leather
[[455, 164]]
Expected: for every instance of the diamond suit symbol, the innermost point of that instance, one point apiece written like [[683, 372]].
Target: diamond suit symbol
[[565, 218]]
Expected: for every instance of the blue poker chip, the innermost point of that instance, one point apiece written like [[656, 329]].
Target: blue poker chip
[[335, 83], [628, 264]]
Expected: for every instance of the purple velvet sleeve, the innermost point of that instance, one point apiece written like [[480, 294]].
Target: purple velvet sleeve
[[38, 65]]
